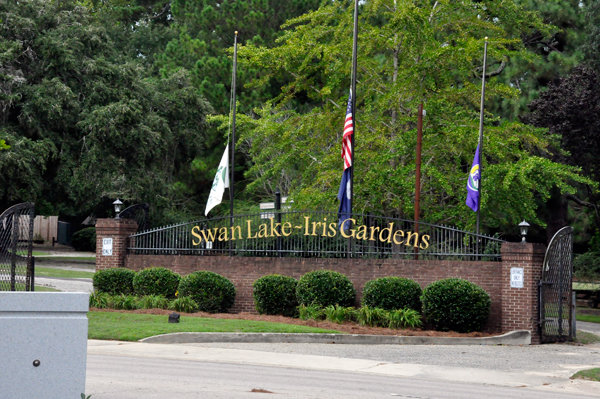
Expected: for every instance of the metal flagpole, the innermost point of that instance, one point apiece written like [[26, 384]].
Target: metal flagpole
[[353, 96], [354, 57], [418, 173], [232, 161], [481, 136]]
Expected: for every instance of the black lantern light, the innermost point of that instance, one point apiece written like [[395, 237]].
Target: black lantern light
[[117, 204]]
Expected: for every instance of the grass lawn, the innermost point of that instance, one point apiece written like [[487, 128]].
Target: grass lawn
[[39, 288], [133, 327], [38, 253], [591, 374], [51, 272], [586, 338], [588, 317], [86, 259]]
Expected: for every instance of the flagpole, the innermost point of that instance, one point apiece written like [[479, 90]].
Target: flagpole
[[354, 63], [481, 111], [232, 162]]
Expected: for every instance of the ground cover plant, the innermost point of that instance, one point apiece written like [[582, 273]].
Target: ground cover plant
[[455, 304], [133, 327], [364, 316]]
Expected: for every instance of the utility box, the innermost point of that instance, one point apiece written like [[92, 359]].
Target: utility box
[[43, 344]]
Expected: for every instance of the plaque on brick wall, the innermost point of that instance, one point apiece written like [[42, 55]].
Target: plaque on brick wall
[[107, 246], [516, 277]]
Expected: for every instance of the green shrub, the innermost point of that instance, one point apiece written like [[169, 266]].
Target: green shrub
[[156, 281], [275, 294], [310, 312], [339, 314], [372, 317], [84, 240], [184, 304], [212, 292], [587, 266], [392, 293], [114, 281], [456, 304], [404, 318], [324, 288]]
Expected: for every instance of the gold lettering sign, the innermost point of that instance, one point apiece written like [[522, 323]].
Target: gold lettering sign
[[309, 228]]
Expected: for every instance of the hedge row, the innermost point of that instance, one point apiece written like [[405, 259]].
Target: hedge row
[[210, 291], [448, 304]]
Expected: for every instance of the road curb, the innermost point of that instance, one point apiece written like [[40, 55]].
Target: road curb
[[512, 338]]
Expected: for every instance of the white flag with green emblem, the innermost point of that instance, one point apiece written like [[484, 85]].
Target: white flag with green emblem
[[220, 183]]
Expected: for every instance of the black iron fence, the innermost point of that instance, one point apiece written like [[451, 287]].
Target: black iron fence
[[16, 246], [315, 234]]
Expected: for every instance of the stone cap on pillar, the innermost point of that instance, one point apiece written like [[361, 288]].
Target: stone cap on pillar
[[522, 249], [116, 226]]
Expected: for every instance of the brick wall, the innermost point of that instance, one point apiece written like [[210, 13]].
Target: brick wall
[[119, 230], [512, 308], [520, 308], [243, 271]]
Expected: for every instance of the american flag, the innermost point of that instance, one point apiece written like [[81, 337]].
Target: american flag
[[347, 139]]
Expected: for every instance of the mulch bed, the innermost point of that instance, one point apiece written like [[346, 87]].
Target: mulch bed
[[347, 327]]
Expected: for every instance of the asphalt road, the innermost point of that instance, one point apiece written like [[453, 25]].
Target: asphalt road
[[558, 359], [122, 377]]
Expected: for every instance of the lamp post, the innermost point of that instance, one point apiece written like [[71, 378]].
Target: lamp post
[[117, 204], [523, 226]]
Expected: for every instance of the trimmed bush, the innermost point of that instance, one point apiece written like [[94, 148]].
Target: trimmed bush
[[156, 281], [84, 240], [212, 292], [324, 288], [114, 281], [391, 293], [275, 294], [456, 304]]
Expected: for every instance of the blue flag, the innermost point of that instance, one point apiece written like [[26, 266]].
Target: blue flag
[[473, 183], [345, 201]]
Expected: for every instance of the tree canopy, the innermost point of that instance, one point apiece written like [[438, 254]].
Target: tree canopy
[[410, 52], [84, 121]]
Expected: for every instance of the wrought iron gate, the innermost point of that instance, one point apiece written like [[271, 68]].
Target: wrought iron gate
[[140, 213], [555, 288], [16, 245]]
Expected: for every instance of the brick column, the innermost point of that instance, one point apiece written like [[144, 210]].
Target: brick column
[[119, 230], [520, 305]]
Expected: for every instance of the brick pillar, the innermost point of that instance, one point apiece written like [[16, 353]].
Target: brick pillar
[[520, 305], [119, 230]]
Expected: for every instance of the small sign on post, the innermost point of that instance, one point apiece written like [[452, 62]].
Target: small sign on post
[[107, 246], [516, 277]]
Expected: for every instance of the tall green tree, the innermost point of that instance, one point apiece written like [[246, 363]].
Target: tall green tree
[[409, 52], [206, 39], [558, 50], [85, 123]]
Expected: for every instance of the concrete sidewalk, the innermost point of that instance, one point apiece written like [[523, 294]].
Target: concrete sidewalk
[[556, 380]]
